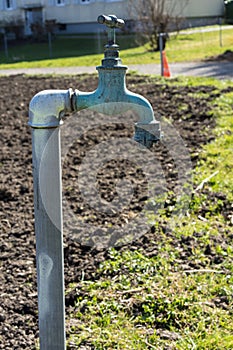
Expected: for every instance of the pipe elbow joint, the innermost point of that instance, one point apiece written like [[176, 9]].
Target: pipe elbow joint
[[47, 108]]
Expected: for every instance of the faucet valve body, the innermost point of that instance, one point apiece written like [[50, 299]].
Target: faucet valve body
[[147, 130]]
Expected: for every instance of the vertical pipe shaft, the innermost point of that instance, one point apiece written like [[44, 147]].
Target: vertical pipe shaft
[[50, 44], [220, 32], [49, 241], [161, 52], [6, 45]]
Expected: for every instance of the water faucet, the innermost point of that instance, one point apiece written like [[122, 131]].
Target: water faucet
[[45, 117], [112, 96]]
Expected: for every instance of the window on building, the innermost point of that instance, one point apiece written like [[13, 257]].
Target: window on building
[[60, 2], [85, 1], [9, 4]]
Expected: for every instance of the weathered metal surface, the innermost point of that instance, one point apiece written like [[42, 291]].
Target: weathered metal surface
[[49, 240], [46, 110], [112, 97], [45, 116], [47, 107], [111, 21]]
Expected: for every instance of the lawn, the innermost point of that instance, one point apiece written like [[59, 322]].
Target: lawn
[[87, 51]]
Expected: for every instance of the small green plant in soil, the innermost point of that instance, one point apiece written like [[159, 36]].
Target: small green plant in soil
[[179, 296]]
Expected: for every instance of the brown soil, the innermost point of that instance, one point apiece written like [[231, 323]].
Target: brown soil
[[226, 56], [18, 303]]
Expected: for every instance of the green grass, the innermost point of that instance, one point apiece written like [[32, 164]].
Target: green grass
[[159, 302], [79, 51], [147, 302], [66, 51], [199, 46], [217, 157]]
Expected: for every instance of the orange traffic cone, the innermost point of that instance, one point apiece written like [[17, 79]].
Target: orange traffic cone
[[166, 70]]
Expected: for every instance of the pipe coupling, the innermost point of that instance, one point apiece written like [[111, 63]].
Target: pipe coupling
[[47, 108]]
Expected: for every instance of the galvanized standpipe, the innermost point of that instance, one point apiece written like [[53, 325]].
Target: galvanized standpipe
[[45, 117], [161, 36], [45, 114]]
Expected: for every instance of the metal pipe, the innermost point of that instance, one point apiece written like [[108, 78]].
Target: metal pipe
[[46, 110], [161, 52], [6, 45], [111, 21]]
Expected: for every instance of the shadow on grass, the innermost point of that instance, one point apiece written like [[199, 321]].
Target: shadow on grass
[[60, 47]]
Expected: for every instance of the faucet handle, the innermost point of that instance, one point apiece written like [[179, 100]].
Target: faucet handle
[[111, 21]]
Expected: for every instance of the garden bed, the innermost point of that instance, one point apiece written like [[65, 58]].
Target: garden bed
[[190, 115]]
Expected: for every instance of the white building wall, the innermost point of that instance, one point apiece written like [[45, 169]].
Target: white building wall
[[10, 14], [75, 12], [204, 8], [85, 12]]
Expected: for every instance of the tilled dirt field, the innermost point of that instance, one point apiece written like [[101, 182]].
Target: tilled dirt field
[[190, 117]]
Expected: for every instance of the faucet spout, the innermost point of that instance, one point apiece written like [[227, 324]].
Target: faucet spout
[[113, 98], [147, 128]]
